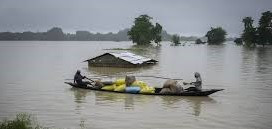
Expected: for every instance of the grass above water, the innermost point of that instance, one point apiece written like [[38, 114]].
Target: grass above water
[[21, 121]]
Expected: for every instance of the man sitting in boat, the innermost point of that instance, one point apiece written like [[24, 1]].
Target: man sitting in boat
[[197, 83], [78, 79]]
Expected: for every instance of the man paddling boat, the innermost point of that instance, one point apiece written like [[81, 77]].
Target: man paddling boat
[[78, 79], [197, 83]]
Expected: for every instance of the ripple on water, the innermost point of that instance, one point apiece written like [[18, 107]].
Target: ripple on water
[[31, 80]]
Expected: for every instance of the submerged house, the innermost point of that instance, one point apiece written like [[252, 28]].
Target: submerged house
[[124, 59]]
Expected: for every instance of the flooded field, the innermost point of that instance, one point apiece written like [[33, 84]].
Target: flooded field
[[32, 75]]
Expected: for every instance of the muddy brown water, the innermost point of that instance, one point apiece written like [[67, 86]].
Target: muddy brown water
[[32, 75]]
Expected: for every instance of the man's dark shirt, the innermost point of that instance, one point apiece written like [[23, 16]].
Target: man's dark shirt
[[78, 78]]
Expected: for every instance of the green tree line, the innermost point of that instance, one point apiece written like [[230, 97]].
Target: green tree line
[[260, 35], [56, 34]]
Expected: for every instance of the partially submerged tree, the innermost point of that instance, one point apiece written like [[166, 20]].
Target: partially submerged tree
[[265, 29], [55, 34], [157, 30], [262, 35], [216, 35], [143, 31], [176, 39], [199, 41], [249, 33], [238, 41]]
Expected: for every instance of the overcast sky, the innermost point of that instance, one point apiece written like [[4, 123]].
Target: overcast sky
[[185, 17]]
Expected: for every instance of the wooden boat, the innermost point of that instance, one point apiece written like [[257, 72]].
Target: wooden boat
[[203, 92]]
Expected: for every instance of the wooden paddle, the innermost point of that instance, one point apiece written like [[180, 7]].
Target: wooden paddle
[[158, 77], [142, 76], [185, 83], [86, 78], [89, 79]]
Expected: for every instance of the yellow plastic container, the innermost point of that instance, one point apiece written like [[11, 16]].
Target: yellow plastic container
[[148, 90], [140, 84], [109, 87], [120, 88], [119, 82]]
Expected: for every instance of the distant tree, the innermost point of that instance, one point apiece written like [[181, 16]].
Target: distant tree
[[157, 30], [238, 41], [143, 31], [176, 39], [216, 35], [249, 33], [28, 36], [248, 21], [199, 41], [55, 34], [83, 35], [7, 36], [122, 35], [166, 36], [265, 29]]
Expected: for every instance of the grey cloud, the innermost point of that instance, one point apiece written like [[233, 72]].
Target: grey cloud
[[186, 17]]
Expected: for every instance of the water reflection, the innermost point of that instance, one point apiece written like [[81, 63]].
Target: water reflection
[[264, 69], [248, 60], [103, 98], [197, 102], [172, 102], [263, 60], [79, 94], [216, 57], [80, 98], [128, 100], [193, 102], [82, 124]]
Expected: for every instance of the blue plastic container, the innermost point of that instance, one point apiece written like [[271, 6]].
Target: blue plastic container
[[133, 89]]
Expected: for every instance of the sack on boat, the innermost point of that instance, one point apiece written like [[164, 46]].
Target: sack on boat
[[148, 90], [171, 86], [133, 89], [144, 87], [107, 82], [179, 88], [98, 84], [119, 82], [109, 87], [120, 88], [169, 83], [140, 84], [165, 91], [129, 80]]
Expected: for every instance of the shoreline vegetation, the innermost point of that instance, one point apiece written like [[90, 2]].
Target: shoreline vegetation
[[56, 34], [256, 35], [134, 48], [21, 121], [144, 32]]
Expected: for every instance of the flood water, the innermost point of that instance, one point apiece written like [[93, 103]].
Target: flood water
[[32, 75]]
